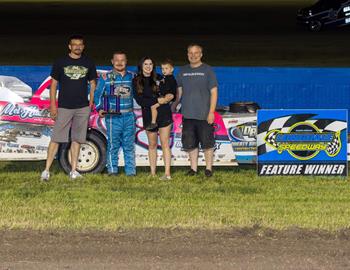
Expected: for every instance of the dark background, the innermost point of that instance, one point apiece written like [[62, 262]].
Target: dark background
[[250, 33]]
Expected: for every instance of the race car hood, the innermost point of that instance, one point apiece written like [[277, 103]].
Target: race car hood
[[9, 96], [15, 85]]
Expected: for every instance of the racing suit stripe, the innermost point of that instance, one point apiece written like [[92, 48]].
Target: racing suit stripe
[[110, 144], [128, 142]]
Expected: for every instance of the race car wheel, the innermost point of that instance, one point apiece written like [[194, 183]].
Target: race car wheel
[[92, 156], [315, 26]]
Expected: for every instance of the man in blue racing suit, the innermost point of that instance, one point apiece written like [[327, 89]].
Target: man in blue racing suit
[[114, 94]]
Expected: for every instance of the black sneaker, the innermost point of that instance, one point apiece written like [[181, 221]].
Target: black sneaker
[[191, 173], [208, 173], [152, 127]]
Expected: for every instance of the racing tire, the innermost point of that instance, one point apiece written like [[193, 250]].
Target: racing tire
[[92, 156], [315, 26]]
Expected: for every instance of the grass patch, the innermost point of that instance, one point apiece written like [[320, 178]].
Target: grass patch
[[234, 197]]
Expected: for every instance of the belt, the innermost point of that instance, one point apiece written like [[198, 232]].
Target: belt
[[126, 110]]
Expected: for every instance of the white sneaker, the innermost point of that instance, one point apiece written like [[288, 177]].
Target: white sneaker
[[165, 177], [74, 175], [45, 175]]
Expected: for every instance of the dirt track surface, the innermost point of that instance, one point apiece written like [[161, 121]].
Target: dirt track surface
[[175, 249]]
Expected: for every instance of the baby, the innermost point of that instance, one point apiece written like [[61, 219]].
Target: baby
[[167, 70]]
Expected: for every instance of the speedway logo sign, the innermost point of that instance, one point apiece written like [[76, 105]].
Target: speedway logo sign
[[300, 142], [304, 141]]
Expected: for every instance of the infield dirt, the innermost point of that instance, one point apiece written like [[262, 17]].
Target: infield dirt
[[252, 248]]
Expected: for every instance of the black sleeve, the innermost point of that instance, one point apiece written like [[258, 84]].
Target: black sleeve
[[170, 86], [140, 99], [92, 73], [56, 71]]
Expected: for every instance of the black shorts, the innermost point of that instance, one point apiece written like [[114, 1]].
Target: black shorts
[[164, 117], [195, 133]]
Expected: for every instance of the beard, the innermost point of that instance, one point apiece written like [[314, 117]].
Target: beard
[[119, 68], [77, 51]]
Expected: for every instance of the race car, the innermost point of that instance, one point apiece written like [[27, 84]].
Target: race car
[[26, 126], [324, 14]]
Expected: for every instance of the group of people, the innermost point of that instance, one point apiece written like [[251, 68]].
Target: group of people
[[158, 95]]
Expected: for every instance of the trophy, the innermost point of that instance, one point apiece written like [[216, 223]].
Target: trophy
[[111, 100]]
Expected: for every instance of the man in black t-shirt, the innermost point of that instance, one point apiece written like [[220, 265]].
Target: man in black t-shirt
[[73, 73]]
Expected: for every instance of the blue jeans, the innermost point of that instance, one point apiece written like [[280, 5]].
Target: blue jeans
[[121, 134]]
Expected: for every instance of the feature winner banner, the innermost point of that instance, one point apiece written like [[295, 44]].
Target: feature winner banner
[[302, 142]]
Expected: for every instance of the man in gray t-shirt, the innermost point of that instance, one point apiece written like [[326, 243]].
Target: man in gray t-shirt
[[197, 90]]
